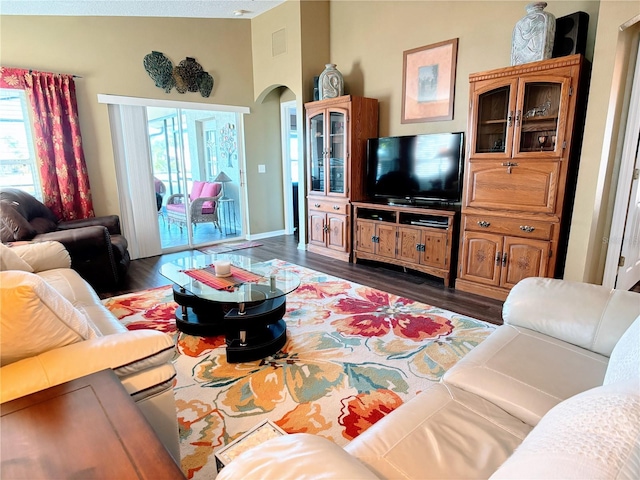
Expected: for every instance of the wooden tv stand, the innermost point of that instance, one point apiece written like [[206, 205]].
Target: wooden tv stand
[[412, 237]]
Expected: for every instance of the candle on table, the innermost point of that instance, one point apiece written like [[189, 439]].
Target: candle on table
[[222, 267]]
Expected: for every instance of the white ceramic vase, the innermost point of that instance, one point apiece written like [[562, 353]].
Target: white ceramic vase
[[533, 35], [330, 82]]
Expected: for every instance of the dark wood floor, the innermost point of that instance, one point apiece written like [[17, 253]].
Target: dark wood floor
[[144, 273]]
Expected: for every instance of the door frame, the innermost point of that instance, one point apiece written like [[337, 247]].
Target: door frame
[[287, 184], [624, 184], [122, 157]]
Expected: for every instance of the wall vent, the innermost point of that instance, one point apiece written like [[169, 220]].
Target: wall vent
[[279, 42]]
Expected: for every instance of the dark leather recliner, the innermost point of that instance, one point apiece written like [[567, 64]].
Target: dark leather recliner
[[97, 247]]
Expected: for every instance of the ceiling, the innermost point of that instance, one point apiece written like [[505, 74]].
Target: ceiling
[[140, 8]]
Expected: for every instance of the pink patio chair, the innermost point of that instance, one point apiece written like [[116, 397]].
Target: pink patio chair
[[203, 198]]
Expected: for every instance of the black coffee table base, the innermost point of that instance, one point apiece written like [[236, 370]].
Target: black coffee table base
[[253, 331]]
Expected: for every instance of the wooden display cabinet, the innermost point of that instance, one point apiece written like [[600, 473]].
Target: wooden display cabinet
[[421, 239], [337, 131], [524, 138]]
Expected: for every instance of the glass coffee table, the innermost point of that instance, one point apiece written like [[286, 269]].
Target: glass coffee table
[[249, 313]]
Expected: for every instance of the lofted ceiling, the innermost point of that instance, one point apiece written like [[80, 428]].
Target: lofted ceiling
[[140, 8]]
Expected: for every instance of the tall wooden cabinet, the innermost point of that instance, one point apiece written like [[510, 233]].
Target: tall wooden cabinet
[[337, 131], [525, 126]]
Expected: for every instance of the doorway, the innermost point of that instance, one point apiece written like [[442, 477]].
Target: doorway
[[189, 147], [180, 144], [290, 166], [622, 265]]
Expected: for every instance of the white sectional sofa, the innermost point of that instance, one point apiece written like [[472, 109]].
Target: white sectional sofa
[[54, 328], [552, 393]]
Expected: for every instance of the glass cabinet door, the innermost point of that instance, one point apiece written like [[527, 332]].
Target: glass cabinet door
[[316, 153], [337, 152], [541, 115], [494, 119]]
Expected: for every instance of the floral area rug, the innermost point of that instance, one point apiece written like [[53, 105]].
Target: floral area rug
[[353, 355]]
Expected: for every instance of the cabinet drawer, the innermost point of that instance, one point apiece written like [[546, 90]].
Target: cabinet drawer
[[508, 226], [328, 206]]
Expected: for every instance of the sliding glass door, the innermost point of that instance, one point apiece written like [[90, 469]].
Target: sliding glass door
[[166, 159], [189, 147]]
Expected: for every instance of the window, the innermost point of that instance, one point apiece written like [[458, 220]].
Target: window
[[18, 166]]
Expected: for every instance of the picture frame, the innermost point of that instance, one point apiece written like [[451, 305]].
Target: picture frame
[[428, 82]]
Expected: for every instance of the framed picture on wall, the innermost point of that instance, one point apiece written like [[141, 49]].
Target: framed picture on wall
[[428, 82]]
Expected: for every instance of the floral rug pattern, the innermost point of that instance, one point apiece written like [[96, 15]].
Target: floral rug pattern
[[353, 354]]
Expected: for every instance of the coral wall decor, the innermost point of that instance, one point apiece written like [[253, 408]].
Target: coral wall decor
[[187, 76]]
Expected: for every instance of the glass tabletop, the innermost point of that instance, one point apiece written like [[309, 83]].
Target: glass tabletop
[[274, 281]]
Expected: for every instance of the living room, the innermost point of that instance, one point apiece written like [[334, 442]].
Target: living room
[[366, 39]]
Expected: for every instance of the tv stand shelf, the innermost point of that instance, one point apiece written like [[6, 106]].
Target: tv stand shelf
[[412, 237]]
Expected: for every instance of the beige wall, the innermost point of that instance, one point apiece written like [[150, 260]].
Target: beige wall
[[108, 53], [271, 68], [368, 40]]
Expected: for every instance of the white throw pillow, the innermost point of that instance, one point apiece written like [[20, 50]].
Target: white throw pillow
[[43, 256], [595, 434], [10, 260], [624, 363], [35, 318]]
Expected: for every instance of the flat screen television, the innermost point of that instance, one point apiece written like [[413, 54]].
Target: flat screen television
[[417, 169]]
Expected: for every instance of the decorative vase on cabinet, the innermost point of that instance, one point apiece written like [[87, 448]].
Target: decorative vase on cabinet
[[533, 35], [331, 83]]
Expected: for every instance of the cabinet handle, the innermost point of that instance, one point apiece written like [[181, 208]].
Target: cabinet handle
[[421, 247], [517, 117], [483, 223], [498, 255], [509, 165], [509, 118], [326, 228], [317, 205], [336, 207], [504, 260], [527, 228]]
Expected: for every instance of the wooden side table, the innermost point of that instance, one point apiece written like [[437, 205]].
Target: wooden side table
[[88, 428]]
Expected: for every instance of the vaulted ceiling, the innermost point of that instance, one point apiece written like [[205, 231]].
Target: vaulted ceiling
[[140, 8]]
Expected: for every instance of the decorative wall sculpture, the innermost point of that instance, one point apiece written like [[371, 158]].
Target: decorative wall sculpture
[[187, 76]]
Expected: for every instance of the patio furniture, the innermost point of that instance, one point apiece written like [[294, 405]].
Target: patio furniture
[[203, 204]]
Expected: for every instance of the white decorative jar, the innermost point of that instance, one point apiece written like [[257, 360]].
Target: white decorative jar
[[330, 82], [533, 35]]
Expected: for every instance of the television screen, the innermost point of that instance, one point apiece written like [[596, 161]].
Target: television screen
[[424, 167]]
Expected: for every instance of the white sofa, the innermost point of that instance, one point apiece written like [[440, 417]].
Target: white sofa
[[553, 393], [54, 328]]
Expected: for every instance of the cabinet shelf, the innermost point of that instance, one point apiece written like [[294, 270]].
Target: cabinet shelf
[[500, 121], [540, 118]]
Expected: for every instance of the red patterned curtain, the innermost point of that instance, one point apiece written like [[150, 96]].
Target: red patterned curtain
[[58, 144]]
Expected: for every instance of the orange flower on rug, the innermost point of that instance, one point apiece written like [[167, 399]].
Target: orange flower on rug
[[353, 354]]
